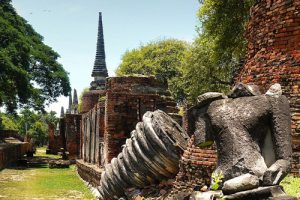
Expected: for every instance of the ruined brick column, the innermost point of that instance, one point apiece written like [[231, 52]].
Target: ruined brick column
[[127, 100], [72, 134], [273, 56]]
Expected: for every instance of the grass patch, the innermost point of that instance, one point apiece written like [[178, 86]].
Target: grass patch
[[291, 186], [42, 183], [41, 152]]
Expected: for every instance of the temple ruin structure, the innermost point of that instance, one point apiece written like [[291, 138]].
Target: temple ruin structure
[[65, 135], [273, 56], [110, 110]]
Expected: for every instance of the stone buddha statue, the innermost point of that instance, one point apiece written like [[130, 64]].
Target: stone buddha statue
[[252, 134]]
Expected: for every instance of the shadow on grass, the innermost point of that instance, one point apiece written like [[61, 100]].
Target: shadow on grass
[[27, 163]]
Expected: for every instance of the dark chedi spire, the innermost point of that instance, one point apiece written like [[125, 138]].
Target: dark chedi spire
[[62, 112], [70, 101], [99, 69], [75, 98]]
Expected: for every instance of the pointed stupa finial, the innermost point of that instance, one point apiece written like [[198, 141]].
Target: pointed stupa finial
[[75, 103], [62, 112], [70, 100], [75, 98], [68, 111], [99, 71]]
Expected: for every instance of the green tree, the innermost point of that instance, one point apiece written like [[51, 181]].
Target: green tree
[[50, 118], [219, 49], [30, 74], [35, 124], [224, 22], [8, 122], [85, 90], [39, 131], [162, 59]]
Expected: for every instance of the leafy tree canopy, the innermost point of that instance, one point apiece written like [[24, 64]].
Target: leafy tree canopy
[[219, 49], [30, 74], [85, 90], [206, 65], [162, 59], [224, 23], [35, 124], [8, 122]]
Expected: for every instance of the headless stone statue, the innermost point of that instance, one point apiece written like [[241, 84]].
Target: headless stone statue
[[252, 134]]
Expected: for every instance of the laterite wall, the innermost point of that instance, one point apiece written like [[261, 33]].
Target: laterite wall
[[273, 56]]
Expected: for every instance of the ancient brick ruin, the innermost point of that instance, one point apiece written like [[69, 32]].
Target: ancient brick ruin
[[273, 56], [196, 167], [54, 139], [12, 148], [109, 123], [114, 105], [110, 111], [65, 135]]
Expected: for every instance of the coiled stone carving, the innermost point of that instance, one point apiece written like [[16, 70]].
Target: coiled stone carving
[[151, 154]]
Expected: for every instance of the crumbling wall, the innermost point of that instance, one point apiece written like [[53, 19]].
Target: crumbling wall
[[127, 100], [195, 168], [72, 134], [114, 114], [54, 140], [90, 99], [92, 131], [10, 153], [273, 56], [89, 173], [10, 133]]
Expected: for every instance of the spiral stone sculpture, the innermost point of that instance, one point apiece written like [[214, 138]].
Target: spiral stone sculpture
[[151, 154]]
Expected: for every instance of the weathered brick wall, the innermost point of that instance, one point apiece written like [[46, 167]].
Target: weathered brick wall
[[10, 153], [92, 131], [127, 100], [72, 134], [273, 55], [10, 133], [105, 127], [195, 168], [88, 172], [54, 140], [90, 99]]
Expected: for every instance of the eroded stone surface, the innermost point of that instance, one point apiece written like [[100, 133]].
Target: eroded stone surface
[[240, 183], [151, 155], [252, 134]]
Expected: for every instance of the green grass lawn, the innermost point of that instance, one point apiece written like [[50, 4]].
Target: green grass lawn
[[41, 151], [42, 183]]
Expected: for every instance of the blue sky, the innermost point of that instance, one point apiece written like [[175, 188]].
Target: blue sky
[[70, 28]]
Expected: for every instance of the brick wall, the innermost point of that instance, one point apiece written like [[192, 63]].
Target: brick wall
[[72, 134], [127, 100], [273, 55], [92, 131], [10, 133], [105, 127], [195, 168], [54, 140], [10, 153], [67, 136], [90, 99], [89, 172]]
